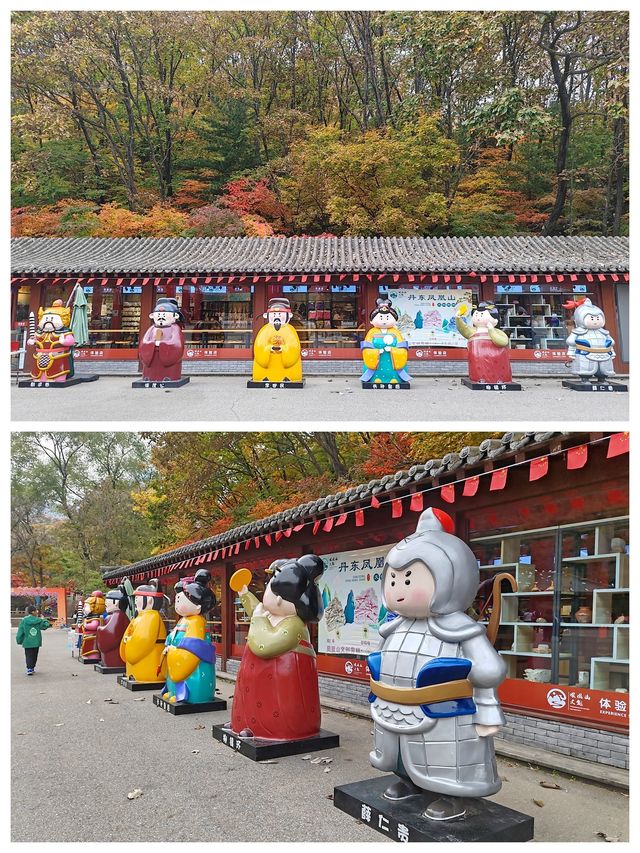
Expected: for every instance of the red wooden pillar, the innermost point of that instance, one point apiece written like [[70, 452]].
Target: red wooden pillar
[[369, 297], [227, 615], [610, 308], [260, 302]]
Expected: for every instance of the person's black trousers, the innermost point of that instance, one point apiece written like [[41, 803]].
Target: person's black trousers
[[31, 656]]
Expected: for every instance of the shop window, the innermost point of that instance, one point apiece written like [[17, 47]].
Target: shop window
[[536, 320], [22, 303], [241, 619], [223, 317], [568, 622], [214, 622], [326, 315]]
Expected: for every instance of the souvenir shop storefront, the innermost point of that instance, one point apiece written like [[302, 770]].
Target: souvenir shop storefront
[[550, 509], [223, 286]]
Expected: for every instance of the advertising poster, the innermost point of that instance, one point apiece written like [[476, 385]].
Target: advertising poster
[[353, 609], [427, 317]]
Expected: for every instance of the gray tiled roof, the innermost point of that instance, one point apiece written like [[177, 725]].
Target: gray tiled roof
[[397, 484], [62, 255]]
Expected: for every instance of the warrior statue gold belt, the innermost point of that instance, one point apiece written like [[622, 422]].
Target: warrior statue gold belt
[[460, 689], [583, 348]]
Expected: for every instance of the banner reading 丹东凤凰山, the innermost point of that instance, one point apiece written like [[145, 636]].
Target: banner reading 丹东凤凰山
[[351, 594], [427, 317]]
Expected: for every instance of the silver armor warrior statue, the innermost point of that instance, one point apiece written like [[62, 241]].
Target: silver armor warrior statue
[[589, 346], [434, 680]]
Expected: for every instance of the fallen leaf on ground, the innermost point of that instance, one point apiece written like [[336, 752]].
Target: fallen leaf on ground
[[305, 757], [74, 675], [58, 724], [315, 761], [133, 795], [269, 762], [539, 803], [327, 770], [139, 699], [108, 700], [88, 701], [504, 778], [551, 785], [329, 796], [101, 720], [605, 837], [195, 751], [199, 726], [21, 733]]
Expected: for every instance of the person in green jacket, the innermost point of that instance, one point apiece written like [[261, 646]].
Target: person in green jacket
[[29, 636]]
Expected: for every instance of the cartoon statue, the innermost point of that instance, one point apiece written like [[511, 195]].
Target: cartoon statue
[[487, 346], [189, 649], [162, 347], [276, 694], [384, 350], [93, 612], [54, 342], [589, 346], [110, 633], [276, 349], [434, 680], [143, 641]]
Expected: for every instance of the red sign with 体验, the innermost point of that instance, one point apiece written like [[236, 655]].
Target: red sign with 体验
[[576, 703]]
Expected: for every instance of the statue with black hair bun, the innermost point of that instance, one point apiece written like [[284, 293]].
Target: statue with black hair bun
[[189, 649], [487, 345], [276, 695], [385, 352]]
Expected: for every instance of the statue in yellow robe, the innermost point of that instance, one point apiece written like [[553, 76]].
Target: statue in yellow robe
[[142, 644], [276, 349]]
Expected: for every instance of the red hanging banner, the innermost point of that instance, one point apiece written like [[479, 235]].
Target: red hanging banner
[[278, 535], [498, 480], [237, 550], [328, 525], [288, 532], [246, 544], [298, 527], [470, 487], [577, 457], [538, 468], [417, 502], [341, 519], [618, 444], [375, 503], [316, 527], [267, 538], [256, 541], [448, 493], [359, 518], [396, 508]]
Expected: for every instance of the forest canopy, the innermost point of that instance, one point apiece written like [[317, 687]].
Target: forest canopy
[[319, 122]]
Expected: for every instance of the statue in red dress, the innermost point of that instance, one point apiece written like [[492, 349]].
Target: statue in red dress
[[93, 613], [162, 346], [109, 634], [487, 348], [276, 695], [53, 343]]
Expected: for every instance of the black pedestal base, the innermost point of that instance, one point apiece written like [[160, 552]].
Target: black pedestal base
[[178, 708], [87, 661], [403, 821], [385, 386], [275, 386], [130, 684], [166, 383], [491, 386], [576, 385], [108, 670], [75, 380], [258, 749]]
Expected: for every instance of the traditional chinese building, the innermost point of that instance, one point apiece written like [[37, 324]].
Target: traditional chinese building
[[549, 508], [224, 285]]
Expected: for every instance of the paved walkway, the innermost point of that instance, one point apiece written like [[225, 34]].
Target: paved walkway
[[218, 399], [75, 757]]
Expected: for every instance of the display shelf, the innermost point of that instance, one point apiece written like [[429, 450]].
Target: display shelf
[[609, 674], [603, 604]]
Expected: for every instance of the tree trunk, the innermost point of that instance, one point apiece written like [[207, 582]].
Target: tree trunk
[[561, 76]]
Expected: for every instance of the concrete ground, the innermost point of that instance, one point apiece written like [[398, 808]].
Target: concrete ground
[[217, 399], [75, 758]]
